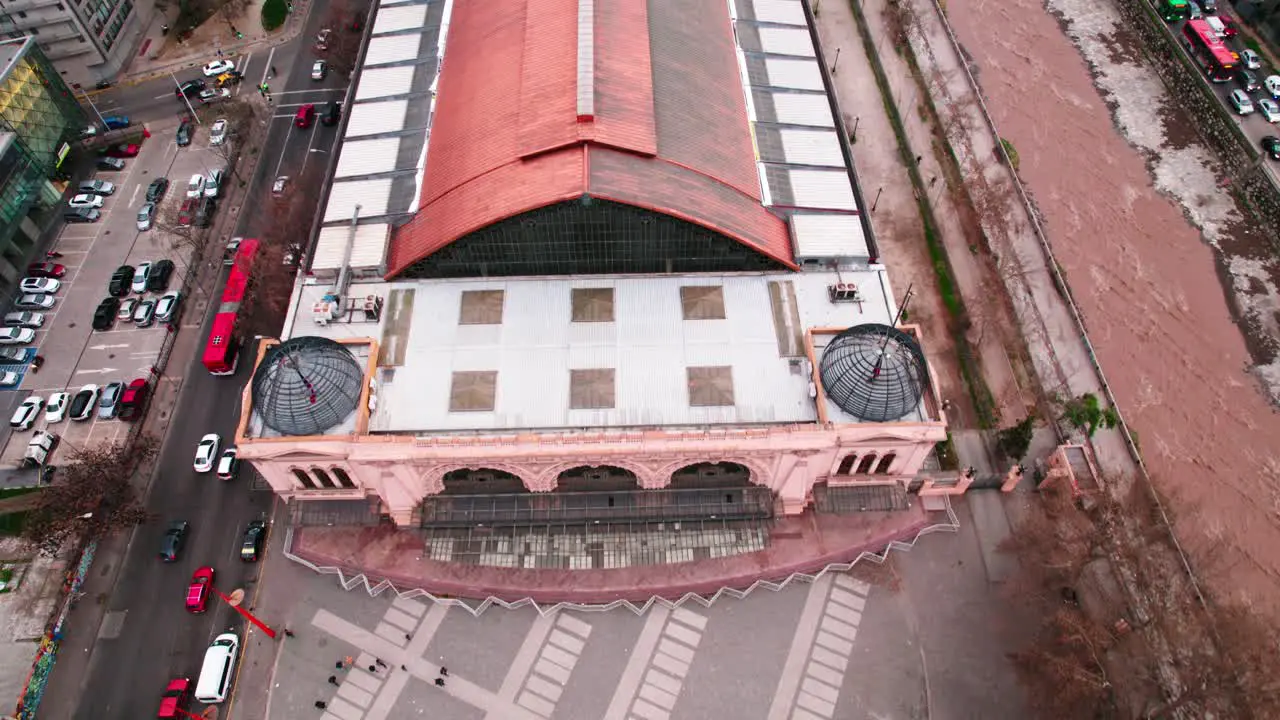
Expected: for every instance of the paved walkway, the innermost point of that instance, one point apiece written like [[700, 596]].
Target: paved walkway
[[798, 545]]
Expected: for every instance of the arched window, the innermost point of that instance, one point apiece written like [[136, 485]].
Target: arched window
[[868, 462], [846, 465], [343, 478], [886, 463], [304, 479], [323, 478]]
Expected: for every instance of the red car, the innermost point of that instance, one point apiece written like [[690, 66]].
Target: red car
[[199, 590], [305, 115], [122, 151], [134, 397], [51, 270], [176, 698], [187, 211]]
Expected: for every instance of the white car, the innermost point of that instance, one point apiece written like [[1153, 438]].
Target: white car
[[195, 186], [213, 184], [42, 286], [217, 67], [207, 452], [56, 410], [85, 200], [1269, 109], [9, 378], [84, 403], [16, 336], [1240, 101], [25, 416], [1250, 59], [218, 132], [1272, 84], [139, 284]]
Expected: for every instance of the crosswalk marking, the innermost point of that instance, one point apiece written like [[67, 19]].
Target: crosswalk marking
[[563, 644]]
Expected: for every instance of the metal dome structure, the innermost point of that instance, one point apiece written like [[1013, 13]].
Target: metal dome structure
[[874, 372], [307, 385]]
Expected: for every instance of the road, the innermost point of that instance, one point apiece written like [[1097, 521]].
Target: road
[[147, 637]]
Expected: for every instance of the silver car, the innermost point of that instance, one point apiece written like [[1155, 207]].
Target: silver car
[[109, 401], [33, 301], [1240, 101], [146, 217]]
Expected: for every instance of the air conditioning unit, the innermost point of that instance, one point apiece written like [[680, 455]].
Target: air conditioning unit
[[372, 308], [844, 292], [324, 312]]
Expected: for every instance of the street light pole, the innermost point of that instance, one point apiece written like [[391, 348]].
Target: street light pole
[[835, 63], [95, 110], [185, 99], [234, 600]]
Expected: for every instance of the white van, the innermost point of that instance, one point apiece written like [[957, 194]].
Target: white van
[[219, 666]]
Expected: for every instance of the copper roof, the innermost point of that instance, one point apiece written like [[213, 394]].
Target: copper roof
[[668, 132]]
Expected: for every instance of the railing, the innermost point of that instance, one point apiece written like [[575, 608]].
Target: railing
[[527, 509]]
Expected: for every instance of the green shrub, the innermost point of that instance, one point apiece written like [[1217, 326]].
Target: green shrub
[[1008, 150], [274, 13]]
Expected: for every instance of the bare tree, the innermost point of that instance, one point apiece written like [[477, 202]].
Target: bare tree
[[178, 225], [344, 43], [275, 267], [91, 496], [243, 132]]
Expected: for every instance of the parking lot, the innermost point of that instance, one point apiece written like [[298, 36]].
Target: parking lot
[[74, 354]]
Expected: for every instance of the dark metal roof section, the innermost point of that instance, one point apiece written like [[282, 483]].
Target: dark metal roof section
[[306, 386], [874, 372]]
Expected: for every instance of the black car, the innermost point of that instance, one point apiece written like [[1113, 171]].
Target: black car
[[332, 113], [1271, 146], [157, 189], [189, 88], [1248, 81], [171, 545], [121, 280], [82, 404], [106, 313], [204, 212], [251, 545], [184, 133], [158, 277], [110, 164]]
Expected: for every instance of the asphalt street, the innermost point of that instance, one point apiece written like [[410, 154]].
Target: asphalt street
[[146, 636]]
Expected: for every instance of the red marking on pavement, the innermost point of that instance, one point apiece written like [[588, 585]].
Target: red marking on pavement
[[143, 50]]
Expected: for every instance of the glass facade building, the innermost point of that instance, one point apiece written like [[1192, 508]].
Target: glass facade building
[[39, 120]]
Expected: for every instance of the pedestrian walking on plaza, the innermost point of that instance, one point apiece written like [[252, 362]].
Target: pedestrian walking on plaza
[[320, 704], [404, 668], [288, 632], [333, 679], [373, 669], [444, 671], [379, 662], [407, 636], [439, 682]]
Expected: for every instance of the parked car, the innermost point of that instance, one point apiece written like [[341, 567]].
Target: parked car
[[39, 285], [134, 398], [175, 700], [110, 164], [157, 189], [13, 355], [189, 88], [251, 544], [81, 215], [305, 115], [97, 187], [105, 313], [174, 538], [332, 113], [145, 314], [204, 212], [319, 69], [214, 94], [206, 451], [25, 416], [109, 402], [228, 465], [83, 403], [10, 378], [24, 319], [52, 270], [146, 216], [1271, 146], [167, 307], [16, 336], [195, 186], [1270, 111], [124, 150], [158, 278], [125, 311], [1239, 100], [120, 281], [218, 132], [217, 67], [185, 130], [187, 212], [56, 411], [199, 590], [213, 184], [85, 200], [139, 283], [32, 301]]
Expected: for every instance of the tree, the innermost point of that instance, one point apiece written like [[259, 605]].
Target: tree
[[243, 132], [1065, 668], [1013, 442], [344, 44], [266, 300], [181, 235], [91, 496], [1086, 413]]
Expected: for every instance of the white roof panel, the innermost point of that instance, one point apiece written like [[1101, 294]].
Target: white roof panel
[[376, 117], [786, 41], [392, 48], [825, 189], [368, 251], [782, 12], [392, 19], [802, 109], [367, 157], [812, 147], [797, 74], [371, 195], [828, 235], [383, 82]]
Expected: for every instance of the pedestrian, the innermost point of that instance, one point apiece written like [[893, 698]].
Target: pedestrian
[[288, 632], [439, 682], [379, 662], [407, 636], [404, 668], [919, 158], [373, 669], [933, 181], [349, 661], [339, 666], [444, 671], [333, 679], [320, 704]]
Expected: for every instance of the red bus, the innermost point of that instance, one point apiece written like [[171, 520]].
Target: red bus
[[1215, 58], [222, 351]]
